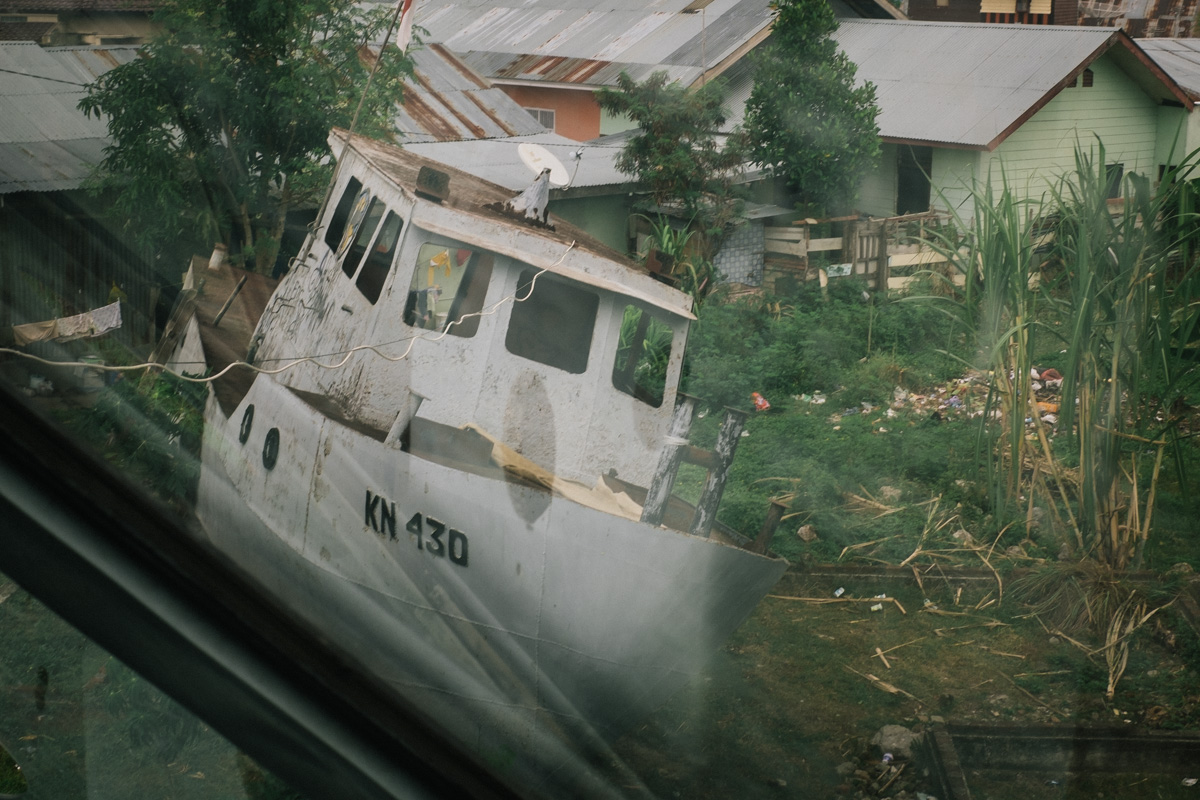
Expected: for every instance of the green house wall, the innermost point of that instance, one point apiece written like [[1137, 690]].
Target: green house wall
[[1135, 130]]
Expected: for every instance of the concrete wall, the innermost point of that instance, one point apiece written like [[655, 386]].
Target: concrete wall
[[576, 112]]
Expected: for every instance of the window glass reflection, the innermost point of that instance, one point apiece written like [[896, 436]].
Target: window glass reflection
[[79, 723]]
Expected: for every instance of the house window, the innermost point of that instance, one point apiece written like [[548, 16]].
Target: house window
[[1113, 173], [448, 288], [379, 262], [552, 322], [1088, 79], [643, 353], [544, 116], [341, 214]]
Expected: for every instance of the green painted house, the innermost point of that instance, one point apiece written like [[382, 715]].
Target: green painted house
[[959, 101]]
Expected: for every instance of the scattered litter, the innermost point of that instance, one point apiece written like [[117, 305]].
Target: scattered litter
[[881, 596], [745, 434], [841, 591], [760, 402], [877, 607], [39, 386], [1190, 781], [807, 533], [891, 412], [887, 758], [818, 398], [867, 407]]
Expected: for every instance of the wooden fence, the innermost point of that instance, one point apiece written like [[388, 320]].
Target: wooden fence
[[890, 254]]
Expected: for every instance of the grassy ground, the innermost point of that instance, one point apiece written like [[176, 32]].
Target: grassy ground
[[800, 688]]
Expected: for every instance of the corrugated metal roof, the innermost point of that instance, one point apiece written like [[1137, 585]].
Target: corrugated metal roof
[[498, 161], [449, 101], [968, 84], [579, 41], [58, 6], [47, 144], [1179, 58]]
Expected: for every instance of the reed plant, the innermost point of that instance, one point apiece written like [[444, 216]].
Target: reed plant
[[1108, 283]]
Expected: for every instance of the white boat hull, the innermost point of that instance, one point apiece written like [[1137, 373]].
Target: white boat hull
[[497, 607]]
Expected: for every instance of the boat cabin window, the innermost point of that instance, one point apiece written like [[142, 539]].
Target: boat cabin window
[[448, 288], [379, 261], [341, 215], [361, 230], [552, 322], [643, 353]]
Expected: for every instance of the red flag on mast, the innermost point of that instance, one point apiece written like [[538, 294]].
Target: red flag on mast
[[404, 36]]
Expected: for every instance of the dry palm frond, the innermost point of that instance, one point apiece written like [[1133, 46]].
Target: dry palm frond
[[1126, 620]]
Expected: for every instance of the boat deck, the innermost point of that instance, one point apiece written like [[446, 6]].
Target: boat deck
[[228, 340]]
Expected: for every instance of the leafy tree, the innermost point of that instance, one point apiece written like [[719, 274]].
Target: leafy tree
[[805, 120], [679, 154], [221, 126]]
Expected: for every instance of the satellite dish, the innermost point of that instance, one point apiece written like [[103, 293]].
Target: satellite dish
[[538, 158]]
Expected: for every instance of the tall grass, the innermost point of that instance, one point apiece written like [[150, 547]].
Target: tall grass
[[1110, 285]]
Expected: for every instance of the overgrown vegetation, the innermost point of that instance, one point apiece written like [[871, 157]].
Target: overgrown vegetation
[[678, 154], [150, 429], [221, 127], [806, 121]]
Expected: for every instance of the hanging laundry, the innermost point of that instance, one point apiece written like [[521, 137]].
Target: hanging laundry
[[86, 325]]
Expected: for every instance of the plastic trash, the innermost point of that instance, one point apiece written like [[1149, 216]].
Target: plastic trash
[[877, 607], [841, 591], [887, 758], [760, 402]]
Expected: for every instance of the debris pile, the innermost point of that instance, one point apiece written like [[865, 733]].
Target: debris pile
[[887, 766], [965, 396]]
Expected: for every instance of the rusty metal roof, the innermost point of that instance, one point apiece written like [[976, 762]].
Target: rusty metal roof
[[449, 101], [589, 44], [47, 144], [973, 84]]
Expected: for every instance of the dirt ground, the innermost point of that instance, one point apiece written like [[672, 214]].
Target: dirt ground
[[805, 684]]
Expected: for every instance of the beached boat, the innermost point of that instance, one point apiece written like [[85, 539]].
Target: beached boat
[[437, 465]]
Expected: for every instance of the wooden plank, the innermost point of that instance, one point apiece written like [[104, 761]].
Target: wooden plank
[[915, 259], [825, 244], [787, 234], [791, 248]]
